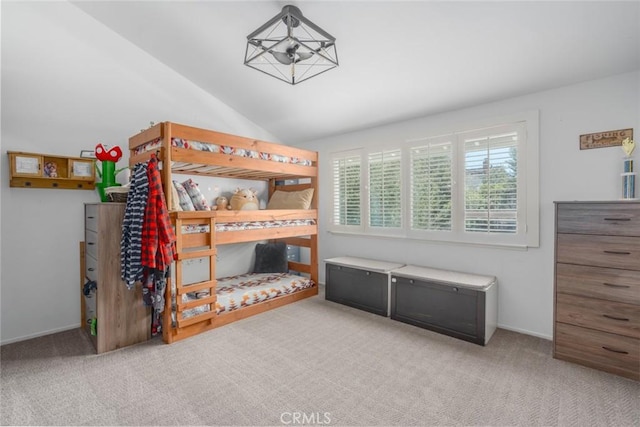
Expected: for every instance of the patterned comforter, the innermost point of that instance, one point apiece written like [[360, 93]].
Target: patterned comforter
[[225, 149], [247, 289], [247, 225]]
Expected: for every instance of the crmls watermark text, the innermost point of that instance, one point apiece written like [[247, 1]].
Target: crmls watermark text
[[304, 418]]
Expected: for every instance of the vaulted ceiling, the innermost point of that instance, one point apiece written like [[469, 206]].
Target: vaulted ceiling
[[398, 59]]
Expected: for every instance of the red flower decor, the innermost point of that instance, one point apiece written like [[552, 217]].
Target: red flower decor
[[113, 155]]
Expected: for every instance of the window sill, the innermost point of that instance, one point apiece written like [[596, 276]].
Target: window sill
[[508, 246]]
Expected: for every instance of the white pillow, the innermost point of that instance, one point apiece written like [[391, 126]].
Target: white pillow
[[198, 200], [175, 200], [185, 201]]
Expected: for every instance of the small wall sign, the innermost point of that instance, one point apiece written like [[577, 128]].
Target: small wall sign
[[610, 138], [88, 154]]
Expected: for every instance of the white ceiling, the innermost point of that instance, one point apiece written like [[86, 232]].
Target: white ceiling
[[398, 59]]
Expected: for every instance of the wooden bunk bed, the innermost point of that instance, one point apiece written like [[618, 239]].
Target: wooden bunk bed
[[228, 156]]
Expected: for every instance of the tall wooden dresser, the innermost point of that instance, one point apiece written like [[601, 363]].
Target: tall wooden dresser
[[122, 318], [597, 286]]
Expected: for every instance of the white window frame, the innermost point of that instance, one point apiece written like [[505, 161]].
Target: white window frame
[[519, 237], [528, 216], [381, 231], [347, 228], [438, 235]]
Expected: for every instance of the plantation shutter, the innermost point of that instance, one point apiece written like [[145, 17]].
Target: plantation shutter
[[430, 187], [385, 201], [346, 190], [490, 182]]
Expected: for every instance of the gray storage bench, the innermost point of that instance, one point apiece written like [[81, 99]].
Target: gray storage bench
[[359, 282], [457, 304]]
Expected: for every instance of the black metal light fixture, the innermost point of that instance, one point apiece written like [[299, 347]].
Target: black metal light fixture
[[291, 48]]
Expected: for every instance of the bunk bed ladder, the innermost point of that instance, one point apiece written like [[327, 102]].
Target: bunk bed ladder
[[208, 286]]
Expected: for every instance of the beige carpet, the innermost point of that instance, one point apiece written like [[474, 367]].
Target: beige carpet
[[313, 361]]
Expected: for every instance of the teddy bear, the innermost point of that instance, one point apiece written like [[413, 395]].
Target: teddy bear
[[244, 200], [222, 203]]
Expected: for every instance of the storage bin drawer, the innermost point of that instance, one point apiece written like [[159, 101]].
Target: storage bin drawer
[[599, 251], [447, 309], [91, 243], [91, 268], [366, 290], [598, 282], [600, 350], [608, 316], [91, 217], [614, 219]]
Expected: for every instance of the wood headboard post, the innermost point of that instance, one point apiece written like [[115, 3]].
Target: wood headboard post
[[272, 188], [314, 237], [314, 200], [166, 164]]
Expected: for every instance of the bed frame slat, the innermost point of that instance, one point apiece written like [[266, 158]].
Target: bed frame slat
[[194, 287], [182, 306], [297, 266], [196, 254], [228, 237], [296, 241], [196, 319]]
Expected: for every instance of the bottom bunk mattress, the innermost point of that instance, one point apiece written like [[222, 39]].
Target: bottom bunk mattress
[[236, 292]]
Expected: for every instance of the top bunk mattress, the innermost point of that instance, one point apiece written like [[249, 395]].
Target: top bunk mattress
[[215, 148]]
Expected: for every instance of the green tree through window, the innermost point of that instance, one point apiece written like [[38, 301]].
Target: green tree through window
[[431, 182]]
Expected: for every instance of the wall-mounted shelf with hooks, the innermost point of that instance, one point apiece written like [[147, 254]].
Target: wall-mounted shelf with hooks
[[33, 170]]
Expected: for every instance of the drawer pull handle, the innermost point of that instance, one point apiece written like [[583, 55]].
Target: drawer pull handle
[[613, 285], [617, 219], [617, 252], [615, 318], [614, 350], [90, 243], [90, 217], [91, 269]]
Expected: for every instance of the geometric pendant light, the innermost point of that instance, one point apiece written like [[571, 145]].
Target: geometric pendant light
[[291, 48]]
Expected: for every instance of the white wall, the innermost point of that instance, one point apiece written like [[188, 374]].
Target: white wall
[[67, 84], [566, 173]]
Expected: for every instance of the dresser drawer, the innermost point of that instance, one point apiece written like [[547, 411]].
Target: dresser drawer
[[91, 217], [608, 316], [91, 243], [601, 350], [599, 251], [597, 282], [91, 268], [614, 219]]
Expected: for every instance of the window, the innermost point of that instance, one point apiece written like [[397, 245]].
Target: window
[[431, 186], [475, 186], [385, 206], [491, 181], [346, 191]]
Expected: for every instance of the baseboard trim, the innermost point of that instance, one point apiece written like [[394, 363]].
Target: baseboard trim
[[39, 334], [526, 332]]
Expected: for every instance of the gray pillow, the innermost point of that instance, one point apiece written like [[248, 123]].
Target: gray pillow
[[271, 258]]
